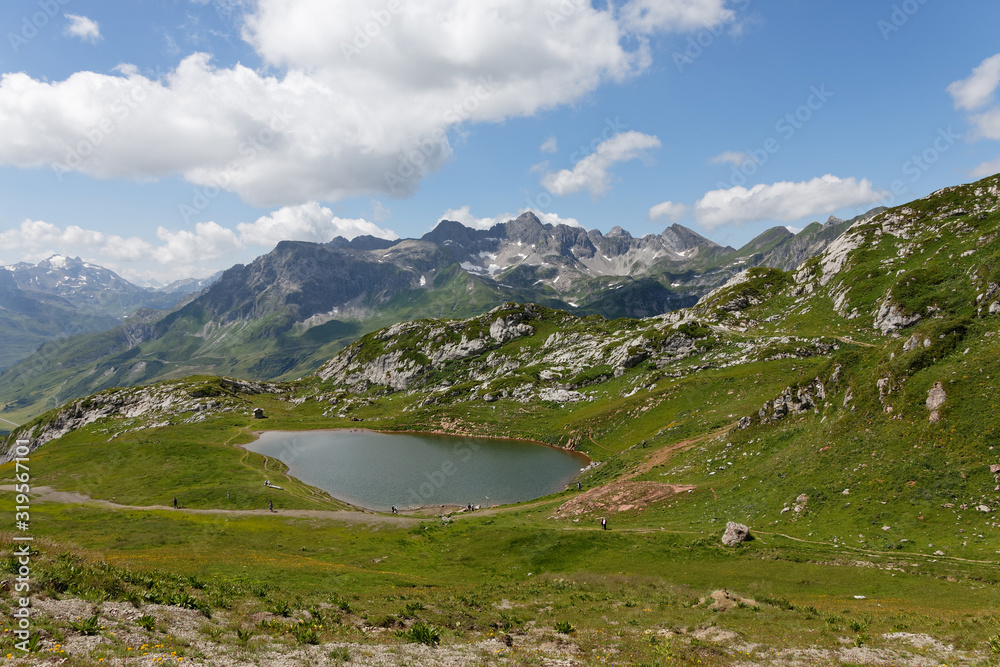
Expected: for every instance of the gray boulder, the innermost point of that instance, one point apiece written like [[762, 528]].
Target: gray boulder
[[735, 534]]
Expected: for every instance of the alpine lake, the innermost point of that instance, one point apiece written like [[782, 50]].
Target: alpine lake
[[378, 470]]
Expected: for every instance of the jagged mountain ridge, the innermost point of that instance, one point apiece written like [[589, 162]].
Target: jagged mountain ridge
[[287, 311]]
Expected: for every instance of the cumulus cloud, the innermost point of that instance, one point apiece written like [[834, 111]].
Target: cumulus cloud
[[556, 219], [592, 173], [208, 241], [181, 253], [783, 201], [464, 215], [306, 222], [37, 239], [977, 90], [735, 158], [83, 27], [354, 98], [669, 210], [988, 123], [976, 93]]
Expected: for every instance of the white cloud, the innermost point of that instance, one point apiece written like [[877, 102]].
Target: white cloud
[[592, 172], [988, 123], [668, 210], [647, 16], [735, 158], [38, 239], [977, 90], [556, 219], [465, 216], [783, 201], [987, 169], [550, 145], [208, 241], [977, 93], [83, 27], [354, 106], [306, 222], [183, 253]]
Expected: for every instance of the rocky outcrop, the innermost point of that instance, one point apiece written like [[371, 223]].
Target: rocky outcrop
[[736, 533], [890, 318], [916, 341], [561, 395], [935, 399], [510, 327], [146, 407], [412, 350], [789, 402]]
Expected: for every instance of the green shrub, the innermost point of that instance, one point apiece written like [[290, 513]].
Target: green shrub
[[421, 633], [305, 633], [88, 626], [565, 627]]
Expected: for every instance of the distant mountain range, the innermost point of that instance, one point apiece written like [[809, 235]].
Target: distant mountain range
[[63, 296], [286, 312]]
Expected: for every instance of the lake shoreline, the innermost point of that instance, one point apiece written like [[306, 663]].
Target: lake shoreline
[[352, 498]]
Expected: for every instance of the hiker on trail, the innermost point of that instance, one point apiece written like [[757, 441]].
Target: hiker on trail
[[578, 486], [394, 510], [175, 503], [270, 505], [604, 523]]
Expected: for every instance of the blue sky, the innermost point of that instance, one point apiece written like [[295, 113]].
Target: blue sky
[[182, 136]]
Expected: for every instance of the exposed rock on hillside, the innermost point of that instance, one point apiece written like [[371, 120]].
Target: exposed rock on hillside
[[936, 397], [890, 318], [143, 407], [477, 359], [735, 534], [789, 402]]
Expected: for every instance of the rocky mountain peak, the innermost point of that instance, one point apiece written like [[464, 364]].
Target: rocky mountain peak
[[681, 239]]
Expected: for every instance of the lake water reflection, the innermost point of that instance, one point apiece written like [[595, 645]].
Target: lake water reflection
[[378, 470]]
